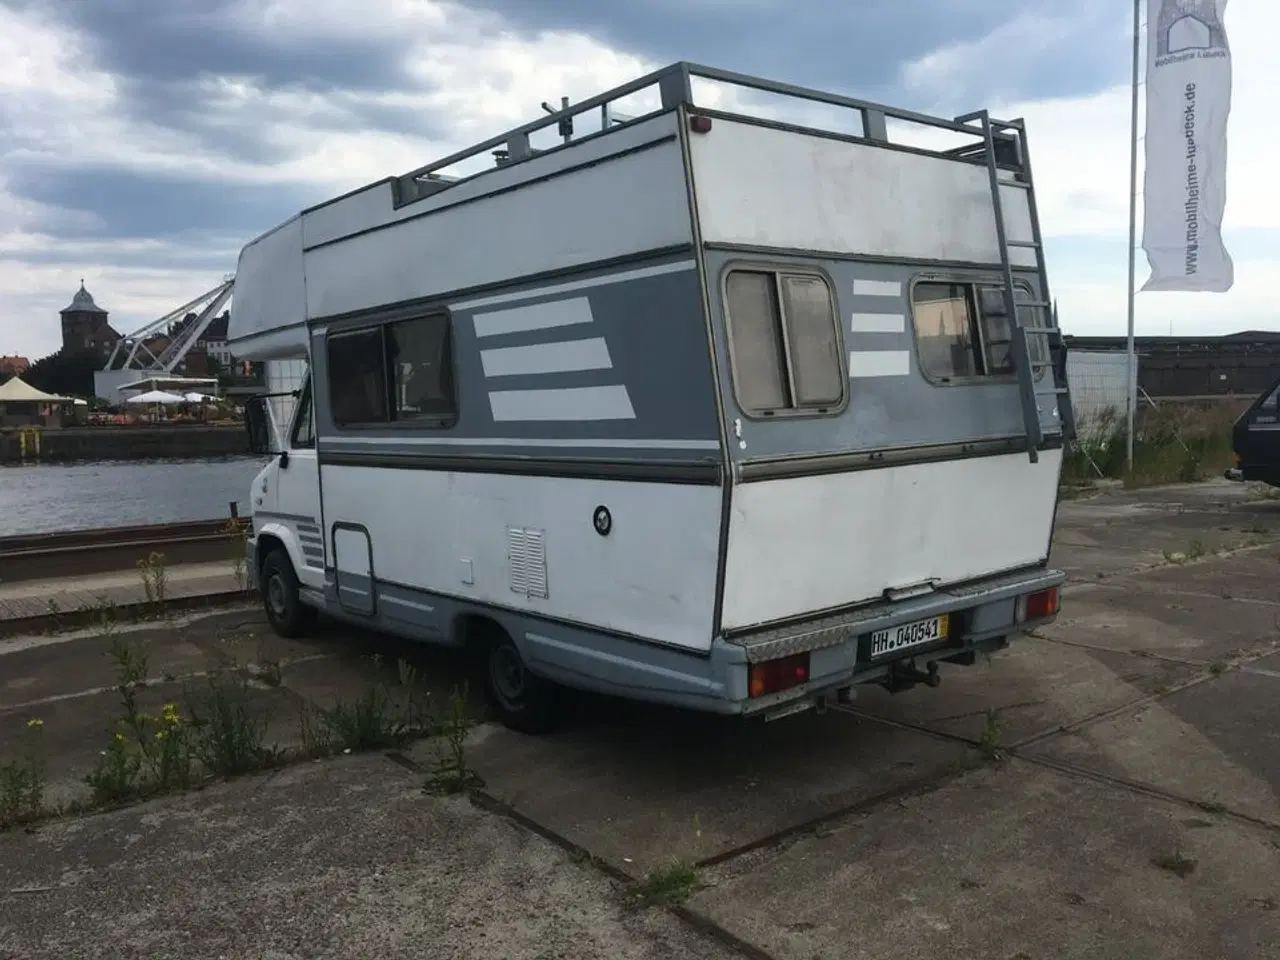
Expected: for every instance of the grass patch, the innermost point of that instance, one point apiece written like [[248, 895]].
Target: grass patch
[[1173, 443], [673, 883], [22, 780], [218, 728]]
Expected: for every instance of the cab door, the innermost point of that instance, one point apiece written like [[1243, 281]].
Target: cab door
[[297, 498]]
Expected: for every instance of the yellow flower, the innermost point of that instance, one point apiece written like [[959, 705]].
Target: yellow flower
[[161, 734], [35, 723], [119, 737]]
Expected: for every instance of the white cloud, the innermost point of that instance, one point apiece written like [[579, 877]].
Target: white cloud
[[471, 77], [1080, 155]]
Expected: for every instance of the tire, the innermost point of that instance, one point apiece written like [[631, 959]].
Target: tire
[[522, 701], [288, 615]]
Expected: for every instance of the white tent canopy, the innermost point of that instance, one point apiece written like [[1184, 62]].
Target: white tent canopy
[[16, 390], [194, 397], [157, 396]]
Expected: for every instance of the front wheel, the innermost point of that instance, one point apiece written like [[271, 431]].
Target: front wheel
[[281, 597], [523, 701]]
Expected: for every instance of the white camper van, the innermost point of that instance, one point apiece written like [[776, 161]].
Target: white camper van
[[701, 408]]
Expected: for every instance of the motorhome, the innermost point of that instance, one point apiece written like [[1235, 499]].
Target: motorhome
[[702, 407]]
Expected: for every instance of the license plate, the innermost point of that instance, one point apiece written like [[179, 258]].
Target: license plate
[[909, 635]]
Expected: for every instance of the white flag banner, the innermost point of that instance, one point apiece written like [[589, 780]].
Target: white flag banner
[[1185, 189]]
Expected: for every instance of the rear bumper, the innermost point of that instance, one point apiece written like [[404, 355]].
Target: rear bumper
[[982, 615]]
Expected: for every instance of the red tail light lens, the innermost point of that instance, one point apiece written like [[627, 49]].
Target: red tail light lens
[[1037, 606], [774, 675]]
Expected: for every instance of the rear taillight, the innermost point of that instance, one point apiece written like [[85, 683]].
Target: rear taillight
[[774, 675], [1038, 606]]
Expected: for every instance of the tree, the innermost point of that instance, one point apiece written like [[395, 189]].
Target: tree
[[66, 374]]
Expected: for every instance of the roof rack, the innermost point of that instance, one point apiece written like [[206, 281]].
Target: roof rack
[[675, 88]]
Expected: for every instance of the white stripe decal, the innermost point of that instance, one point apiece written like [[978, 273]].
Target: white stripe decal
[[878, 323], [567, 403], [563, 357], [591, 443], [540, 316], [638, 274], [877, 288], [879, 363]]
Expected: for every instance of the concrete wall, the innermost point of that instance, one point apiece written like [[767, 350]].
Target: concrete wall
[[124, 443]]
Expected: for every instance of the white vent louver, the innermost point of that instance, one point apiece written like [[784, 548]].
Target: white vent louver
[[527, 557]]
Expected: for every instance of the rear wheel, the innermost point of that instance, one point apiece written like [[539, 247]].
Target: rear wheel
[[281, 596], [523, 701]]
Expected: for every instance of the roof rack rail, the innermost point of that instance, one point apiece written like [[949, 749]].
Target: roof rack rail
[[674, 84]]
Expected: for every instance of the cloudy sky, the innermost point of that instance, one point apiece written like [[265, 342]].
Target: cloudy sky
[[142, 142]]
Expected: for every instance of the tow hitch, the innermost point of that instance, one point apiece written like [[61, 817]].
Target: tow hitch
[[904, 676]]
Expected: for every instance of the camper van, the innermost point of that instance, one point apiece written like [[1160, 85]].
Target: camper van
[[700, 407]]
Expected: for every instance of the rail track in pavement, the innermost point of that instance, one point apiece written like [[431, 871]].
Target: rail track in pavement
[[48, 556]]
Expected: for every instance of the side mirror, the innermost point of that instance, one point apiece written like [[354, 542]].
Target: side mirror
[[258, 426]]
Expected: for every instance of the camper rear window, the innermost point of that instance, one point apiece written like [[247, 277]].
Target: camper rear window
[[785, 342], [955, 340], [401, 371]]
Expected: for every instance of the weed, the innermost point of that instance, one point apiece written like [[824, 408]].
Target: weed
[[22, 780], [117, 774], [237, 531], [314, 733], [269, 669], [226, 737], [1217, 668], [417, 716], [54, 612], [452, 774], [1175, 863], [989, 741], [1195, 550], [368, 722], [673, 883], [155, 579], [1212, 806]]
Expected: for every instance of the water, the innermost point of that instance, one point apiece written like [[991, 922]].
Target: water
[[38, 498]]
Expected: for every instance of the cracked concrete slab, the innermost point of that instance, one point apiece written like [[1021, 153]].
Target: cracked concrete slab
[[1035, 685], [1215, 742], [346, 858], [663, 785], [1010, 862]]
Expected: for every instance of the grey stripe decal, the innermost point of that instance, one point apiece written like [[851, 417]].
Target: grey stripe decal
[[605, 443], [565, 356], [537, 316], [578, 404], [399, 602], [611, 278], [296, 517]]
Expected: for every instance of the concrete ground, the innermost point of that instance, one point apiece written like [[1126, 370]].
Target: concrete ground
[[1134, 811]]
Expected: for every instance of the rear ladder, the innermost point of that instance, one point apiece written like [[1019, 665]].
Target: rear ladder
[[1011, 138]]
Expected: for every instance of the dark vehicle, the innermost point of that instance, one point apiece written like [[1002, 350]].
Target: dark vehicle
[[1256, 440]]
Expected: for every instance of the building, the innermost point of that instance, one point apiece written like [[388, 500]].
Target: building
[[1236, 365], [14, 366], [85, 326]]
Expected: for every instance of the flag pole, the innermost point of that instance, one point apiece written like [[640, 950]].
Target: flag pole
[[1131, 389]]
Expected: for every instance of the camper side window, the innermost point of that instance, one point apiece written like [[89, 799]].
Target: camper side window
[[357, 377], [402, 370], [421, 360], [784, 341], [956, 339]]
